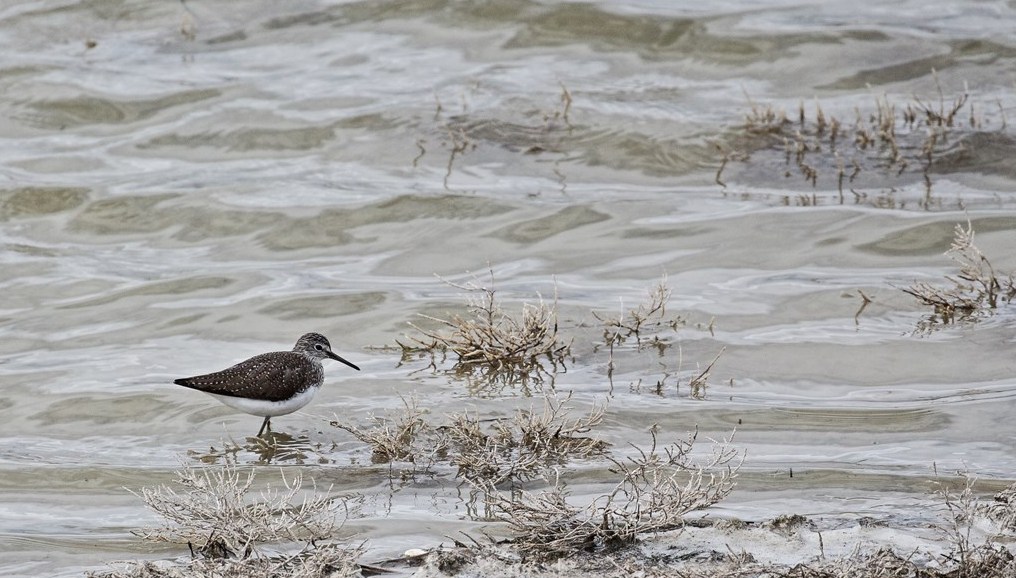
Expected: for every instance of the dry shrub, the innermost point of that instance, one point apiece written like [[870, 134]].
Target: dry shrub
[[226, 526], [648, 316], [653, 491], [974, 292], [561, 529], [568, 533], [215, 511], [512, 449], [1002, 509], [402, 436], [522, 447], [970, 559], [490, 343]]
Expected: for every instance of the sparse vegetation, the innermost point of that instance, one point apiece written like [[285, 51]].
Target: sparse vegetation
[[968, 558], [514, 449], [397, 436], [652, 493], [965, 558], [227, 528], [489, 343], [652, 490], [537, 131], [644, 323], [698, 383], [975, 292], [648, 316], [523, 447], [1002, 509], [518, 468], [888, 140]]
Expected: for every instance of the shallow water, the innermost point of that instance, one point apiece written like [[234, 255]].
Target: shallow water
[[189, 185]]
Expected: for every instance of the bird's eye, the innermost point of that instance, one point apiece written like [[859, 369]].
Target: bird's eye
[[319, 347]]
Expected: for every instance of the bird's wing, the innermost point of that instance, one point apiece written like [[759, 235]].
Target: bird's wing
[[270, 376]]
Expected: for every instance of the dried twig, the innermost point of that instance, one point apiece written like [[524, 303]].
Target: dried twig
[[975, 291], [649, 315]]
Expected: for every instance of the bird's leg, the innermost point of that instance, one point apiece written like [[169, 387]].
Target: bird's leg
[[265, 425]]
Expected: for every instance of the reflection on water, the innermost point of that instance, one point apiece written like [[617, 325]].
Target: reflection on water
[[187, 183], [278, 448]]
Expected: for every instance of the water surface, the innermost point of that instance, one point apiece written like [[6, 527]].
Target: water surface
[[186, 185]]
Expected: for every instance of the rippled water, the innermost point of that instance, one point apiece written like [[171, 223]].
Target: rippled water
[[185, 185]]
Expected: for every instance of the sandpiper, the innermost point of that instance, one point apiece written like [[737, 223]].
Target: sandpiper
[[270, 384]]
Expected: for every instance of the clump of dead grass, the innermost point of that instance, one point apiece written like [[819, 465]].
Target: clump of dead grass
[[399, 436], [227, 526], [513, 449], [1002, 508], [214, 510], [974, 293], [969, 558], [498, 458], [491, 343], [522, 447], [764, 118], [653, 491]]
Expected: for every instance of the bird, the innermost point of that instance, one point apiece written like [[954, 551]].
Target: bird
[[270, 384]]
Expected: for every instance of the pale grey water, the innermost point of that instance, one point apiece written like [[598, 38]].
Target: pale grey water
[[211, 180]]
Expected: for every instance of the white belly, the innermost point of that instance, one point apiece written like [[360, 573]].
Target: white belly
[[268, 408]]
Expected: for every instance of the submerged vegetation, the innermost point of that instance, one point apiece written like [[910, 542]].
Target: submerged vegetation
[[534, 132], [864, 156]]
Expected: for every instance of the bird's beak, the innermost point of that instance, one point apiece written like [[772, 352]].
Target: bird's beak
[[337, 358]]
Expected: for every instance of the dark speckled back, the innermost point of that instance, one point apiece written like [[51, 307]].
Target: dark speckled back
[[270, 377]]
